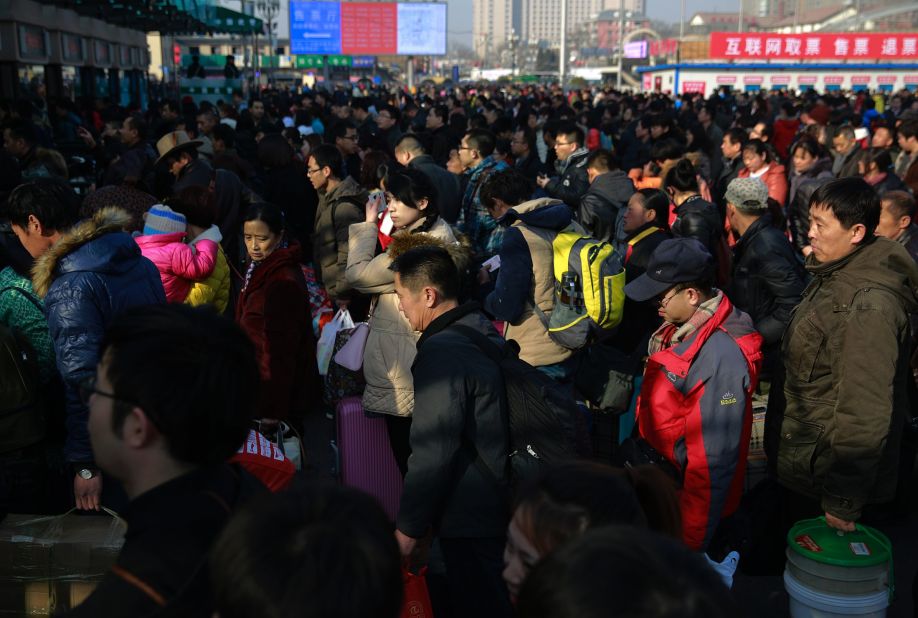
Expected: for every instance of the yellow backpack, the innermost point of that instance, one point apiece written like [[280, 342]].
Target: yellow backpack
[[589, 289]]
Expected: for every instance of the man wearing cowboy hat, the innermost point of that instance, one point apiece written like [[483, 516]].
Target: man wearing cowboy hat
[[178, 153]]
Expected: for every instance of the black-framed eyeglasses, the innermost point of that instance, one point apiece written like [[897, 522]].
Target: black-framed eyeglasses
[[384, 116], [310, 172], [353, 138], [563, 143], [662, 301], [463, 148], [87, 389]]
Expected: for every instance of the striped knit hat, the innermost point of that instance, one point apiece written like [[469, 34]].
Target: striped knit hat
[[161, 219]]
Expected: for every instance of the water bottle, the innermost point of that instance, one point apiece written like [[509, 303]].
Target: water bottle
[[569, 289]]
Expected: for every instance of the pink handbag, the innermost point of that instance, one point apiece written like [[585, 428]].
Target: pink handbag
[[350, 356]]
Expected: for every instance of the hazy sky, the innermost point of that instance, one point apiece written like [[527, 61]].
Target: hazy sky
[[460, 13]]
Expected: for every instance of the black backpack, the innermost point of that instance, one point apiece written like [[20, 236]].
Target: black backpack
[[546, 425], [22, 421]]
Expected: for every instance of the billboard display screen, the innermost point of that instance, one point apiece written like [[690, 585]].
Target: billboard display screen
[[367, 28]]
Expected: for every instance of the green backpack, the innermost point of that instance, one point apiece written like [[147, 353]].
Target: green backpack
[[589, 289]]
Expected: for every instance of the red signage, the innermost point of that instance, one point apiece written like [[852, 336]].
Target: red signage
[[886, 79], [358, 38], [753, 79], [693, 87], [873, 46], [726, 79], [836, 80], [911, 79], [666, 47], [780, 80], [807, 79], [860, 79]]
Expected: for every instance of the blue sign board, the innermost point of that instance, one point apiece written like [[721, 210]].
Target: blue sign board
[[315, 27], [363, 62]]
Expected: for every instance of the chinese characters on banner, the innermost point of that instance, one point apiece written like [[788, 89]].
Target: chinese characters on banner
[[750, 46]]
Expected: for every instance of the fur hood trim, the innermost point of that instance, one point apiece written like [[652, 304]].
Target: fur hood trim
[[104, 221], [459, 250]]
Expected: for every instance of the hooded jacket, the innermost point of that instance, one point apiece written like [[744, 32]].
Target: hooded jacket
[[602, 207], [802, 188], [273, 312], [87, 278], [527, 277], [338, 209], [846, 352], [695, 409], [391, 344], [774, 178], [178, 263]]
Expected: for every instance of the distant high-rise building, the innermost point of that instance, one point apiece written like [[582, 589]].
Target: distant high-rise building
[[494, 21]]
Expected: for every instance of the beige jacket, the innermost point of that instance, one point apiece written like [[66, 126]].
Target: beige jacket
[[390, 348]]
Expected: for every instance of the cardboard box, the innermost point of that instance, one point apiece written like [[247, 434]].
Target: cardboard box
[[50, 564]]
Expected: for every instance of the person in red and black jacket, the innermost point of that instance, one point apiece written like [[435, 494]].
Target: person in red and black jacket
[[272, 311], [695, 407]]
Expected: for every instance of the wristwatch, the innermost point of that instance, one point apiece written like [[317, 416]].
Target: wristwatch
[[87, 473]]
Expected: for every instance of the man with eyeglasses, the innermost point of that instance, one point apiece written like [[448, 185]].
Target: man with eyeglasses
[[388, 132], [475, 154], [169, 404], [695, 408], [572, 180], [347, 142], [526, 159]]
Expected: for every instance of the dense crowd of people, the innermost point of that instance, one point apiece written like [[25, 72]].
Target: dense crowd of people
[[668, 263]]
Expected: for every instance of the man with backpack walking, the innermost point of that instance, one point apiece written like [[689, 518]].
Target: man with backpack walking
[[695, 408], [525, 291], [456, 484]]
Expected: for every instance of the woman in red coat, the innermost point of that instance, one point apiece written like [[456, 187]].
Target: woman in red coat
[[760, 163], [272, 310]]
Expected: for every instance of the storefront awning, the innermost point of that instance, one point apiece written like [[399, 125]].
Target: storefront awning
[[165, 16]]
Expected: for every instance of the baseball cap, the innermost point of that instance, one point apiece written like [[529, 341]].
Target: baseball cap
[[747, 194], [675, 260]]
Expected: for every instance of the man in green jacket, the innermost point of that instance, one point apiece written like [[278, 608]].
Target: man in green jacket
[[846, 352]]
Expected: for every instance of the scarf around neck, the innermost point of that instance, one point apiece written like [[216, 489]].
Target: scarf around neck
[[670, 334]]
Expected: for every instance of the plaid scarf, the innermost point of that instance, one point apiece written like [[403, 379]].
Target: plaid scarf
[[670, 334], [474, 219]]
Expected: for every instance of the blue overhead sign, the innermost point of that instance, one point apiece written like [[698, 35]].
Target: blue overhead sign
[[315, 27]]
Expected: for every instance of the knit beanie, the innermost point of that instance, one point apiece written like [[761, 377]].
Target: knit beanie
[[163, 220]]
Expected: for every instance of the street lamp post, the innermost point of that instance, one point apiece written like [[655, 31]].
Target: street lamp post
[[270, 9]]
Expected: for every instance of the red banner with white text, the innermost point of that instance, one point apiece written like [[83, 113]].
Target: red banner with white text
[[828, 46]]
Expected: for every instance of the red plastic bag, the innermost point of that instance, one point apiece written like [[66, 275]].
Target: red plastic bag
[[416, 603]]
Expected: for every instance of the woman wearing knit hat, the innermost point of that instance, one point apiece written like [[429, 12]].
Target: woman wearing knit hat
[[179, 265]]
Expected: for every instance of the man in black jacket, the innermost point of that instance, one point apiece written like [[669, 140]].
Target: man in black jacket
[[603, 206], [455, 487], [732, 149], [572, 181], [410, 152], [150, 438], [525, 154], [768, 282], [441, 139]]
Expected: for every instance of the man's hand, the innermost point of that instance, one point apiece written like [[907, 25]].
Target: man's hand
[[406, 544], [87, 137], [839, 524], [88, 492], [542, 180], [414, 551], [484, 276]]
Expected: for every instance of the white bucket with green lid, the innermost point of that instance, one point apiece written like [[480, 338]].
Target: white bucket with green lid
[[830, 572]]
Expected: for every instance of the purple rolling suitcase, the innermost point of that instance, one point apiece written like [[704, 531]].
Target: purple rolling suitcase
[[364, 457]]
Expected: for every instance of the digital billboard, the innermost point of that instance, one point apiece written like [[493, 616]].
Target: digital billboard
[[367, 28]]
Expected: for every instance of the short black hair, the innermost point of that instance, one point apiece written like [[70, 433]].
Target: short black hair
[[50, 200], [391, 110], [225, 134], [529, 136], [602, 161], [638, 572], [852, 201], [510, 186], [140, 126], [908, 129], [340, 129], [666, 150], [737, 136], [20, 129], [572, 132], [314, 550], [191, 371], [900, 203], [328, 155], [428, 266], [481, 140], [197, 203], [682, 176], [441, 112]]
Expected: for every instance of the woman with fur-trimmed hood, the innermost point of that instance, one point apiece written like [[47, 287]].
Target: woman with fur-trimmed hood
[[390, 348]]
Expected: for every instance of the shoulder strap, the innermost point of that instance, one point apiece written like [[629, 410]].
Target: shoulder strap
[[26, 295], [636, 240]]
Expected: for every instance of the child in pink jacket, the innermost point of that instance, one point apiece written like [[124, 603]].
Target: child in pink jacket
[[178, 264]]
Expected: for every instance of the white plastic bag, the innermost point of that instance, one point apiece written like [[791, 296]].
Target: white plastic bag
[[727, 568], [326, 346]]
